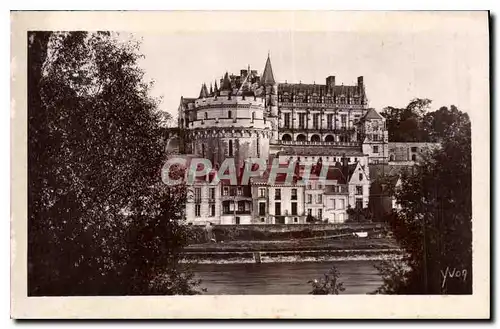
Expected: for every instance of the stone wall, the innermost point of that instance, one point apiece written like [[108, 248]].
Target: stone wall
[[409, 151]]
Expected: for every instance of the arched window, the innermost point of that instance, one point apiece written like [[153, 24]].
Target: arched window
[[286, 137], [229, 114], [391, 158], [203, 150], [206, 115], [230, 147], [413, 157], [329, 138], [301, 138], [315, 138]]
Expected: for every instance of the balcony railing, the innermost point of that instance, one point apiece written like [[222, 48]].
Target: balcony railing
[[321, 143], [237, 212]]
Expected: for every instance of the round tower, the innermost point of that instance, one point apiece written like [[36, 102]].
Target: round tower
[[230, 124]]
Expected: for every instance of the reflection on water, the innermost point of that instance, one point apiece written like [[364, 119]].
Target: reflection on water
[[359, 277]]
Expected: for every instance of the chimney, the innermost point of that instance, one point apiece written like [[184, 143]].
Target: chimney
[[360, 81], [330, 81], [345, 166]]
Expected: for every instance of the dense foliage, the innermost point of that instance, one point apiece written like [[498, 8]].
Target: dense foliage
[[100, 221], [434, 224], [415, 124]]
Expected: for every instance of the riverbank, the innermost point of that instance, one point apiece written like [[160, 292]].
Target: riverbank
[[289, 251]]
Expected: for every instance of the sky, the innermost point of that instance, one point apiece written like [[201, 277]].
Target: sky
[[397, 67]]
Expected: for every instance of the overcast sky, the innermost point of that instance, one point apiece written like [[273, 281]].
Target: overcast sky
[[396, 67]]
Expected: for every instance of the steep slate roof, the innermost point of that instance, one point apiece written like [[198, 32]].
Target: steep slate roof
[[203, 91], [320, 90], [372, 114], [226, 83], [267, 76]]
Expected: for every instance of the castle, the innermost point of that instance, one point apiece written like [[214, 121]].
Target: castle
[[250, 116]]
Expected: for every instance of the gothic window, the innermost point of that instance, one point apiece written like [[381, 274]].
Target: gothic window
[[277, 194], [286, 123], [277, 209], [359, 203], [197, 194], [319, 198], [262, 208], [241, 206], [359, 190], [343, 120], [230, 148], [316, 120], [330, 121], [302, 120]]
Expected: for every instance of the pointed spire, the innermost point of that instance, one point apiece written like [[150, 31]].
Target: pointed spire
[[226, 84], [216, 89], [203, 91], [211, 89], [268, 76]]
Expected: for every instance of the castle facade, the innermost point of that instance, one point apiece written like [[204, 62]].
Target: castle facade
[[254, 116]]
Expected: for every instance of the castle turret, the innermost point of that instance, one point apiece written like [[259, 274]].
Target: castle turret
[[203, 91], [270, 96], [268, 76]]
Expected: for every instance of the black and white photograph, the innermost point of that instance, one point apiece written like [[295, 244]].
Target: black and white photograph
[[271, 162]]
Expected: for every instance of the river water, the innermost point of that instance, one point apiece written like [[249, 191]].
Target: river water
[[358, 276]]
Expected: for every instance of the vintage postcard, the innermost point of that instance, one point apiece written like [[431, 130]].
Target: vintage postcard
[[280, 164]]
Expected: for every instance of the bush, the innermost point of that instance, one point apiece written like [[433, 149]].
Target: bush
[[328, 285]]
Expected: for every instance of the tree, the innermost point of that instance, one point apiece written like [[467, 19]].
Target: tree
[[328, 285], [405, 124], [357, 215], [440, 124], [434, 223], [100, 222]]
